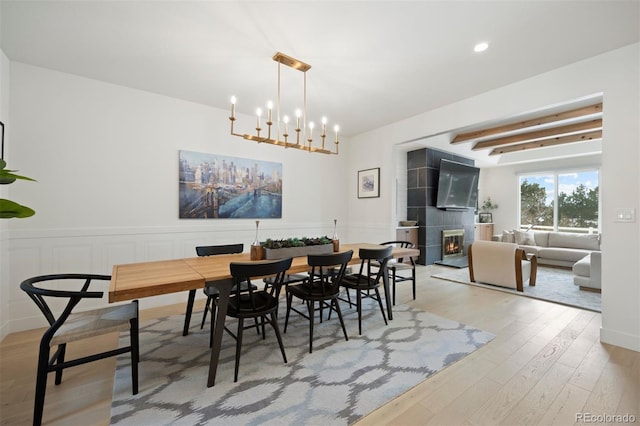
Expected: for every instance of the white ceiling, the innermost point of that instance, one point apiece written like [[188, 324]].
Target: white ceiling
[[373, 62]]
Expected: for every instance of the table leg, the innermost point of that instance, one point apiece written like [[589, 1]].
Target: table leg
[[224, 287], [187, 315], [387, 292]]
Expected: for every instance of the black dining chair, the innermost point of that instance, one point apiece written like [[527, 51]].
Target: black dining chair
[[69, 326], [260, 305], [373, 266], [396, 265], [212, 293], [321, 287]]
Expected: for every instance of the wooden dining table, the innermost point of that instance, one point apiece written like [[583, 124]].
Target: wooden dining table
[[146, 279]]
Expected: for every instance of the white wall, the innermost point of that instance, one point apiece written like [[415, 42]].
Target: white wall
[[106, 161], [4, 193], [615, 75], [372, 219]]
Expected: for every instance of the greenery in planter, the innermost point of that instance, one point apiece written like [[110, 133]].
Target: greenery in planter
[[295, 242]]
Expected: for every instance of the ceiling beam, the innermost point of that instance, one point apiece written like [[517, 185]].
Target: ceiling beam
[[579, 112], [540, 134], [582, 137]]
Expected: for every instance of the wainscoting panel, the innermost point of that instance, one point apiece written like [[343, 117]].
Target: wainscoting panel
[[67, 258], [117, 253], [160, 250]]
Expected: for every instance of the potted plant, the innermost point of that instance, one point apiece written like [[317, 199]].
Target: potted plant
[[485, 211], [10, 209]]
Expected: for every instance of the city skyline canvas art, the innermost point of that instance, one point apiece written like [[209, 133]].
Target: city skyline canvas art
[[215, 186]]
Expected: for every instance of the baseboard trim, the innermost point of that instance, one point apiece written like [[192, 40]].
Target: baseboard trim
[[617, 338]]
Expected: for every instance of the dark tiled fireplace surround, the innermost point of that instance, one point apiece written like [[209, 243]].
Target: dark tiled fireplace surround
[[423, 170]]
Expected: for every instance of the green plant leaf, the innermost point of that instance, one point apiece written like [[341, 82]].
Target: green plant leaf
[[8, 176], [10, 209]]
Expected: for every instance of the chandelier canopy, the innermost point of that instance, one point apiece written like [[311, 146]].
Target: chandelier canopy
[[281, 138]]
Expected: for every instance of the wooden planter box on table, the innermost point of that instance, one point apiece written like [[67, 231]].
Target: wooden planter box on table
[[282, 253]]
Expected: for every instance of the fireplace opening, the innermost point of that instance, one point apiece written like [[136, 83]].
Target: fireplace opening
[[452, 243]]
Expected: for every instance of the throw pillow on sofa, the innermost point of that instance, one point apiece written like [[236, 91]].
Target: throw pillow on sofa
[[508, 237], [524, 238]]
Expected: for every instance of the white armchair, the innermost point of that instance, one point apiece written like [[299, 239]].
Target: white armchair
[[502, 264]]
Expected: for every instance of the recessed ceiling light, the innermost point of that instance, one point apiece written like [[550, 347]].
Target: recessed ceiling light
[[481, 47]]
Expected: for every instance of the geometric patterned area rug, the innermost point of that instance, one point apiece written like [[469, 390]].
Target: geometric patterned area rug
[[337, 384], [552, 284]]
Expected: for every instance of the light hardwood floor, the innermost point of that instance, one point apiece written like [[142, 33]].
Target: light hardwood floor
[[545, 366]]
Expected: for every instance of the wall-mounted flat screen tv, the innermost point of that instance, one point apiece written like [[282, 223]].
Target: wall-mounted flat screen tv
[[457, 186]]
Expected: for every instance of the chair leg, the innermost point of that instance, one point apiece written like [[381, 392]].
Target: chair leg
[[238, 347], [381, 307], [135, 354], [41, 384], [187, 315], [258, 327], [274, 324], [286, 318], [206, 309], [213, 321], [359, 307], [62, 349], [393, 275], [339, 312], [321, 307], [348, 297], [311, 306], [413, 280]]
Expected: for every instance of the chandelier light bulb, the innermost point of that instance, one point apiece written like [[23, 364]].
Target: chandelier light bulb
[[233, 107], [298, 114], [259, 112], [285, 119], [269, 108]]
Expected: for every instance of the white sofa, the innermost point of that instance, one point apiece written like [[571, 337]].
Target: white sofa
[[554, 248], [587, 272]]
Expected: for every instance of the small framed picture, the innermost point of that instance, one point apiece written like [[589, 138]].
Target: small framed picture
[[485, 218], [369, 183]]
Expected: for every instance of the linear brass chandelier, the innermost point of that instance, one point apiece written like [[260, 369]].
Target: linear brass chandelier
[[305, 133]]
